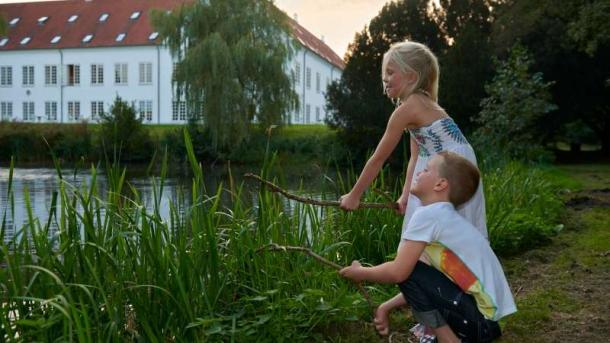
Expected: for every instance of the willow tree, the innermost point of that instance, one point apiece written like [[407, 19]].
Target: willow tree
[[232, 64]]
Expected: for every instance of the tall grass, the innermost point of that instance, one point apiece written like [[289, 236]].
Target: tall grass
[[118, 272]]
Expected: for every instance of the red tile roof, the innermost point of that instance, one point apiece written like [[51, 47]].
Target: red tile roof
[[104, 33]]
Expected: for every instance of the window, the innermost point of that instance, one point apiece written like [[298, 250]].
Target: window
[[120, 37], [153, 36], [308, 78], [145, 110], [97, 74], [14, 21], [42, 20], [87, 38], [72, 18], [28, 76], [6, 76], [297, 73], [97, 109], [174, 71], [297, 114], [145, 73], [50, 75], [307, 113], [317, 113], [73, 74], [134, 15], [103, 17], [28, 111], [179, 110], [120, 73], [50, 110], [6, 110], [73, 110], [317, 82], [3, 41], [25, 41], [55, 39]]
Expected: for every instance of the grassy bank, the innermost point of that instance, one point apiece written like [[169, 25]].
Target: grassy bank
[[118, 272]]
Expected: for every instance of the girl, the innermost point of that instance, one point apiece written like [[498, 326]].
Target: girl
[[410, 74]]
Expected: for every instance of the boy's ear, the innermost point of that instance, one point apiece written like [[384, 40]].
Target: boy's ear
[[441, 185]]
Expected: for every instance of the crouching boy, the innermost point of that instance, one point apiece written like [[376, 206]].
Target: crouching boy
[[463, 292]]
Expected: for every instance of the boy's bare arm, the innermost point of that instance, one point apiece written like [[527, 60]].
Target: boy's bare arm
[[390, 272]]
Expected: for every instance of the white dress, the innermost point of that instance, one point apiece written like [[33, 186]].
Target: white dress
[[444, 135]]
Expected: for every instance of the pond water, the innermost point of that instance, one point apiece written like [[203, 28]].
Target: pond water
[[36, 186]]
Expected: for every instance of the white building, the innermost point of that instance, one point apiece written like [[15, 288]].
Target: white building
[[66, 61]]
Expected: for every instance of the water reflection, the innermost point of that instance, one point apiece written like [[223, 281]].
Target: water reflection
[[38, 186]]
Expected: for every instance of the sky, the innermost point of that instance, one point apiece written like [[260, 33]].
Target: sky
[[335, 20]]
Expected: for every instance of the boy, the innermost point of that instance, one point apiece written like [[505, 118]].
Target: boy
[[464, 292]]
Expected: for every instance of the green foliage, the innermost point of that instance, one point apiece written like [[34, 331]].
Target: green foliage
[[34, 142], [523, 209], [511, 117], [231, 56], [3, 25], [122, 132], [557, 33]]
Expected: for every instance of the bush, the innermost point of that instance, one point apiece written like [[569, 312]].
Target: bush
[[523, 208], [122, 132]]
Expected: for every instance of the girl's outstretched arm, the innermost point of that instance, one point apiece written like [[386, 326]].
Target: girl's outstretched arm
[[394, 130], [404, 197]]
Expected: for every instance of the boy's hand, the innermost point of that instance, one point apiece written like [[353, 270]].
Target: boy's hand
[[353, 272], [349, 202], [382, 320]]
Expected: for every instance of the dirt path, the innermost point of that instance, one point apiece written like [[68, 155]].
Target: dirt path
[[563, 288]]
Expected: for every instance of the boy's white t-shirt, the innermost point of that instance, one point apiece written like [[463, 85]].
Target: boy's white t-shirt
[[457, 249]]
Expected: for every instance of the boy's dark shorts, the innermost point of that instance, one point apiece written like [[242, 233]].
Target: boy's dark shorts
[[436, 301]]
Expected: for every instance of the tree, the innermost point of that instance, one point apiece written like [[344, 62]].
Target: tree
[[232, 58], [567, 42], [517, 100], [3, 26], [123, 131]]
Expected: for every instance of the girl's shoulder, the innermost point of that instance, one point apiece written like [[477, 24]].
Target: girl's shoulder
[[421, 110]]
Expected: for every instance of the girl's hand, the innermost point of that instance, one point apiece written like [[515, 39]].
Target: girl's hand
[[349, 202], [402, 204], [352, 272]]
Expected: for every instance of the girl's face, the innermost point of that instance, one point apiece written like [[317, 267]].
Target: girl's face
[[395, 82]]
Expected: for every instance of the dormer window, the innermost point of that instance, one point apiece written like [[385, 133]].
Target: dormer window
[[135, 15], [42, 20], [120, 37], [72, 18], [153, 36], [14, 21], [3, 41], [87, 38], [55, 39], [25, 41], [104, 17]]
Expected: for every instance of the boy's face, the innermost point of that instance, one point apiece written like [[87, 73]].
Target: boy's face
[[427, 179]]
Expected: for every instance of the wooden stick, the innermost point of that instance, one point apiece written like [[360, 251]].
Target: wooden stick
[[277, 247], [310, 201]]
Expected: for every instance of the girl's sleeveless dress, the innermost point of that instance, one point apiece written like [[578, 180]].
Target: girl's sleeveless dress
[[444, 135]]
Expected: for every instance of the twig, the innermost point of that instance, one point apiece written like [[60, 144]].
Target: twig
[[311, 201], [277, 247]]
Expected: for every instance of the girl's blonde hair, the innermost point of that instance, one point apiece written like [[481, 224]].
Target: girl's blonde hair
[[415, 57]]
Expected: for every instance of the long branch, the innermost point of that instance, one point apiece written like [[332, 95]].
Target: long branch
[[307, 251], [276, 189]]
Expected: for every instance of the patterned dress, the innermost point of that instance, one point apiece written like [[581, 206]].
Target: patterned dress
[[444, 135]]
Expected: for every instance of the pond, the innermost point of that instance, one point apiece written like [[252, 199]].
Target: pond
[[36, 186]]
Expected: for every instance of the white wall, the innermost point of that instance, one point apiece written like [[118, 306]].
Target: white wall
[[159, 91]]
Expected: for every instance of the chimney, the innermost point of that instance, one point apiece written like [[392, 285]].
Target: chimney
[[295, 17], [322, 38]]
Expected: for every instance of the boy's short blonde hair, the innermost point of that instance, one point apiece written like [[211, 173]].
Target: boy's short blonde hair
[[462, 175]]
